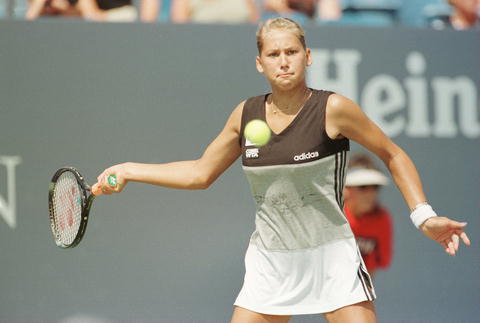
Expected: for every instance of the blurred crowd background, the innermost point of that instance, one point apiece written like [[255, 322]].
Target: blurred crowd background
[[438, 14]]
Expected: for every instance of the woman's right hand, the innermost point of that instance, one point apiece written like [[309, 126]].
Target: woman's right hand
[[102, 187]]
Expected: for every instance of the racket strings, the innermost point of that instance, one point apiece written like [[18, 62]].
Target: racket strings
[[67, 209]]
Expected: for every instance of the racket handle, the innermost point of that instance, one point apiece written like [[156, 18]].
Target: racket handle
[[112, 180]]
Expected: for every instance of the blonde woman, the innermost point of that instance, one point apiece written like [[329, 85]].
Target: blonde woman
[[302, 257]]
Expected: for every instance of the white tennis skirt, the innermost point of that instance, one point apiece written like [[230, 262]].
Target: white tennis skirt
[[306, 281]]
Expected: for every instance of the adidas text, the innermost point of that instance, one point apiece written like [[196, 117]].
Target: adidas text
[[304, 156]]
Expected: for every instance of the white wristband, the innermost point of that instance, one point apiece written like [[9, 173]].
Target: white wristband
[[421, 213]]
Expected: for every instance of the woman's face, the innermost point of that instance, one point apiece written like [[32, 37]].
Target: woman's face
[[283, 59]]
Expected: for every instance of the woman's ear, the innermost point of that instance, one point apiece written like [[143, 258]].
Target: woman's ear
[[258, 64], [308, 54]]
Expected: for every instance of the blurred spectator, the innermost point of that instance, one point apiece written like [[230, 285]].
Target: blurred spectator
[[214, 11], [108, 10], [437, 15], [370, 221], [38, 8], [465, 13], [375, 13], [303, 10], [95, 10]]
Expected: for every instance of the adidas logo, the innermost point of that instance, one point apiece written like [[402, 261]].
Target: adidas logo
[[251, 153], [304, 156]]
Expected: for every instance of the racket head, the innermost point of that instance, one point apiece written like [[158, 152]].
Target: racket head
[[69, 205]]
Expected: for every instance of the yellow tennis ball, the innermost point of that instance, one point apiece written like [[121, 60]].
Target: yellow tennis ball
[[257, 132]]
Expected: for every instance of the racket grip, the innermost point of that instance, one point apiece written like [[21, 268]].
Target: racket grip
[[112, 180]]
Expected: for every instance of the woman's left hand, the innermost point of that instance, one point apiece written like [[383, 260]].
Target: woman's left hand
[[446, 232]]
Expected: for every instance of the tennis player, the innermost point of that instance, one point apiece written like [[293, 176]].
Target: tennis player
[[302, 257]]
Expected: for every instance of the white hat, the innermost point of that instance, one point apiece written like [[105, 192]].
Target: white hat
[[359, 176]]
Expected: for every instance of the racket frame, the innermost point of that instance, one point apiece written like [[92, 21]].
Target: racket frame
[[86, 205]]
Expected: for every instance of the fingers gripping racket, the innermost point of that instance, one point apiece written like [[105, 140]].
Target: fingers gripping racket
[[70, 199]]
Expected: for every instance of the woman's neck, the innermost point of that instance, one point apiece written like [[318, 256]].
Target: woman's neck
[[289, 101]]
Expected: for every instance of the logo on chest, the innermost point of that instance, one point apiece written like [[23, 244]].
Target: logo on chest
[[251, 153], [304, 156]]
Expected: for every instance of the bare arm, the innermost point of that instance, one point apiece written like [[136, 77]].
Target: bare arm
[[344, 118], [90, 11], [467, 7], [254, 15], [149, 10], [35, 9], [192, 174], [180, 11]]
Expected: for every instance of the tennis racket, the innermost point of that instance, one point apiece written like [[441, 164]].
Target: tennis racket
[[70, 199]]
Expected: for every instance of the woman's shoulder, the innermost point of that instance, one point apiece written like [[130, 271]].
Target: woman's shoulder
[[259, 97], [322, 95], [322, 91], [321, 98], [254, 102], [249, 104]]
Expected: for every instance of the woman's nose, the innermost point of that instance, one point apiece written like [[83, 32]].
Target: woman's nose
[[283, 60]]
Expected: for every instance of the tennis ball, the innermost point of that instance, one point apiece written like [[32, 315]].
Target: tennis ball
[[257, 132]]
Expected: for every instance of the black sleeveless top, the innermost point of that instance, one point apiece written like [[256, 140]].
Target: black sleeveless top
[[304, 139], [296, 179]]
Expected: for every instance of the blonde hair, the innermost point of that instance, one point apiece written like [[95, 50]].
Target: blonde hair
[[283, 24]]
